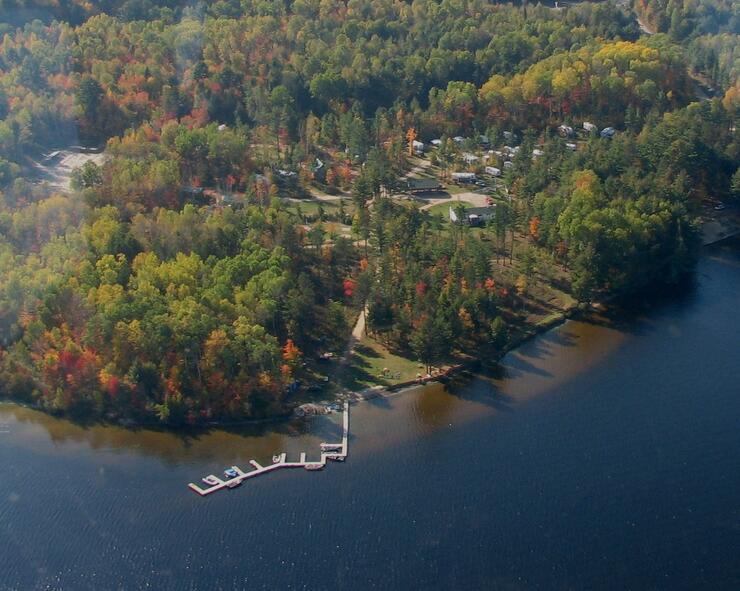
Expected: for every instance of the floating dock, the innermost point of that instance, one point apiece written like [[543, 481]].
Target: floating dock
[[329, 451]]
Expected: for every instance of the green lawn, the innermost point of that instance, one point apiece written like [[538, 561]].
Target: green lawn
[[311, 207], [454, 189], [368, 362], [444, 208]]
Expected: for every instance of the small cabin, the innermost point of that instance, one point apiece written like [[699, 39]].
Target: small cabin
[[473, 216], [463, 177], [493, 171]]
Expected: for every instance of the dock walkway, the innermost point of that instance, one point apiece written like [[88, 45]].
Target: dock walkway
[[329, 451]]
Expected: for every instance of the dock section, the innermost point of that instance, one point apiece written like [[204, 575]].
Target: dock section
[[329, 451]]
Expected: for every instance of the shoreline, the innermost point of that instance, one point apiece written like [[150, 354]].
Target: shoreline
[[524, 337], [325, 406]]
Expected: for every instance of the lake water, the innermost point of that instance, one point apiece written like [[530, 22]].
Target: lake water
[[602, 455]]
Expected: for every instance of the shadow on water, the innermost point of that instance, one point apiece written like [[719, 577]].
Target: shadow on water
[[171, 445], [636, 314], [482, 387], [517, 366], [562, 338], [380, 402]]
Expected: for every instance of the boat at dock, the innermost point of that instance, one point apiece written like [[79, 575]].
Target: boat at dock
[[235, 475]]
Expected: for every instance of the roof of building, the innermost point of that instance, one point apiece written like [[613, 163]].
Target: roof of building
[[423, 184]]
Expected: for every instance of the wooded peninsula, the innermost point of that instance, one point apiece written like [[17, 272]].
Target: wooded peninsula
[[198, 203]]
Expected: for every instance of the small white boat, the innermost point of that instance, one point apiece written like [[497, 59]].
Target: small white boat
[[314, 466], [233, 483]]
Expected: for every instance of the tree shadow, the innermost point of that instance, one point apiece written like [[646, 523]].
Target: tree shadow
[[561, 338], [481, 387], [380, 401], [355, 375], [365, 351], [517, 366]]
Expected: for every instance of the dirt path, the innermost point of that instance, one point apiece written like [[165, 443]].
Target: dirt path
[[355, 337], [321, 196], [644, 27]]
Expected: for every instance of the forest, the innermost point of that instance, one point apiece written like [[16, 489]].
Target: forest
[[193, 275], [710, 31]]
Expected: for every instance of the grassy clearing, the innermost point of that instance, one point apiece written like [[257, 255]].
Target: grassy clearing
[[311, 206], [444, 208], [454, 189], [367, 365]]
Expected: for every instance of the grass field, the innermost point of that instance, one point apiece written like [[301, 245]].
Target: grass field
[[444, 208], [367, 365]]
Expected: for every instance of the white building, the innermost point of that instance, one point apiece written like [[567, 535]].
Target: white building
[[493, 171], [473, 216]]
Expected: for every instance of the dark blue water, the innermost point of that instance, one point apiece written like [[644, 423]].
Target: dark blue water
[[605, 455]]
